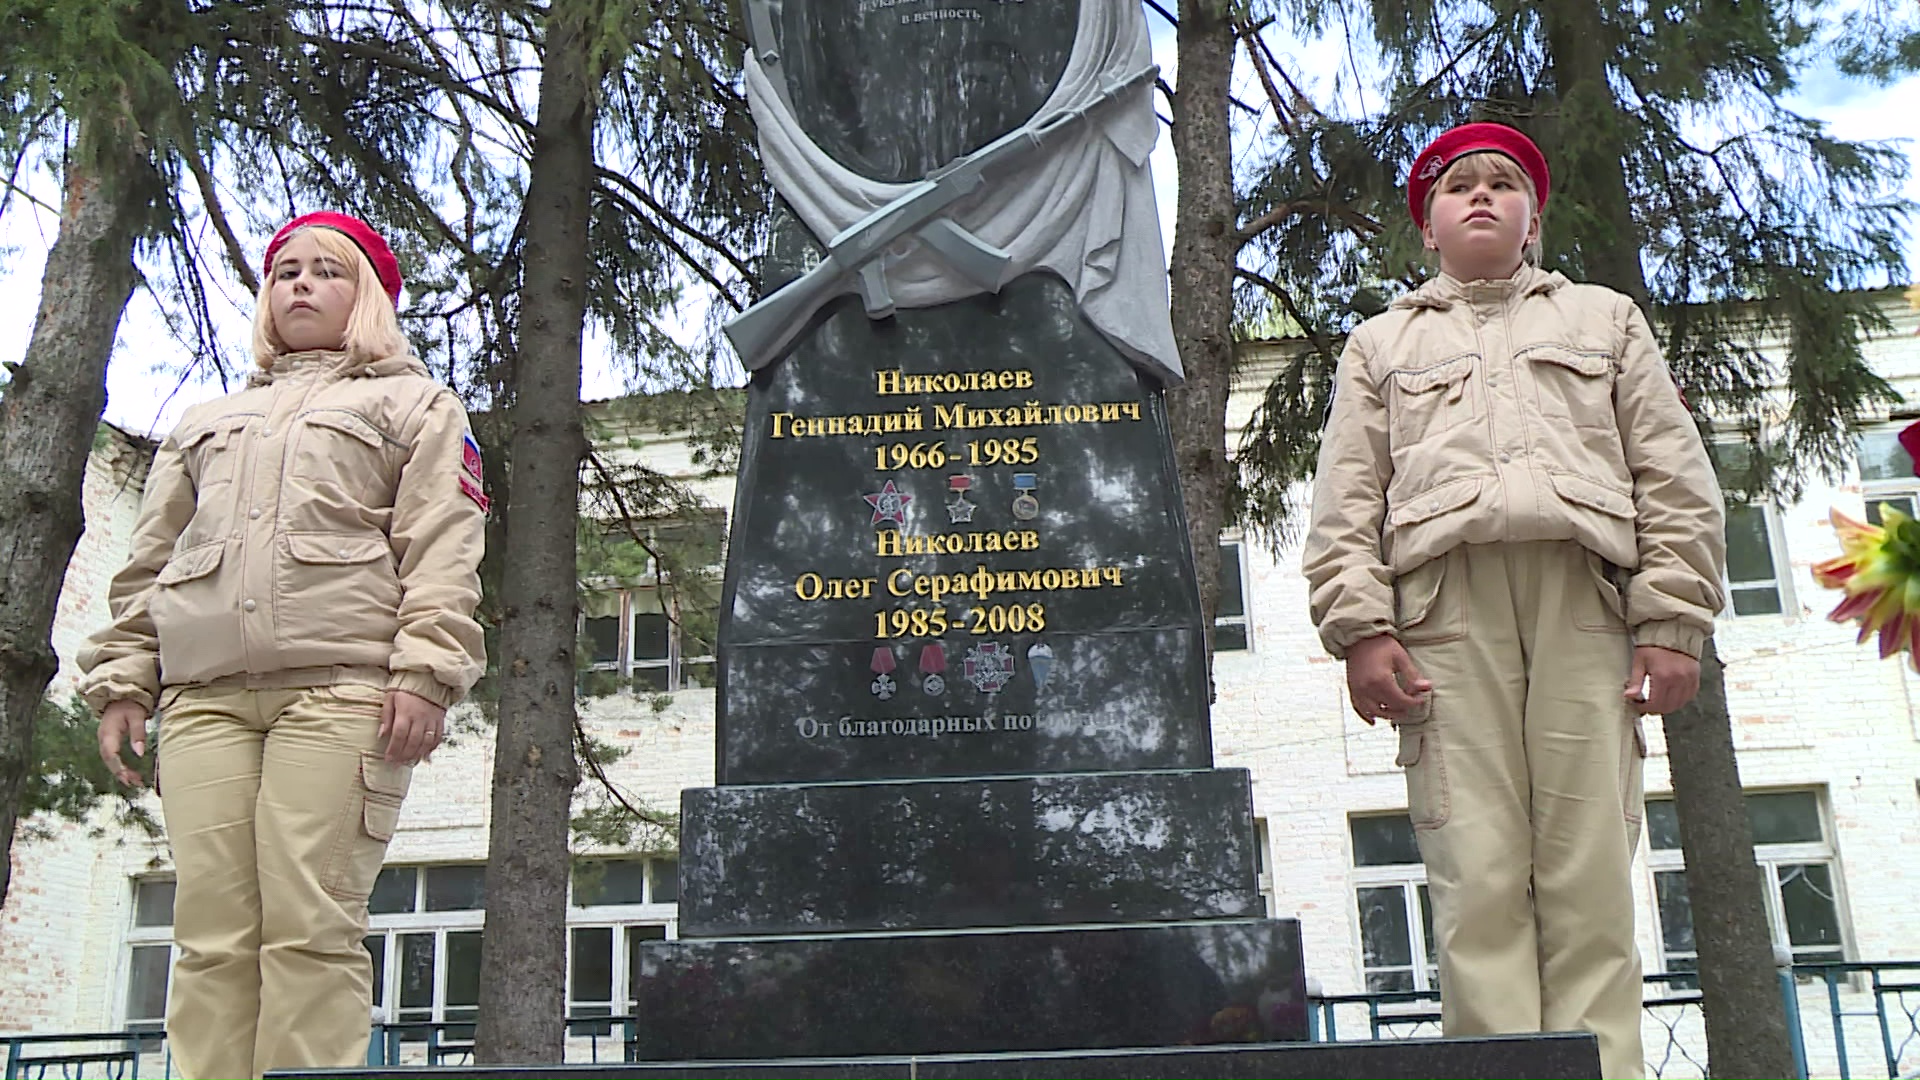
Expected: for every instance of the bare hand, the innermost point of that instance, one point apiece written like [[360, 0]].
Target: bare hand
[[412, 726], [123, 724], [1675, 678], [1382, 681]]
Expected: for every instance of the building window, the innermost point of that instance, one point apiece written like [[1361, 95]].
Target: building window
[[1230, 632], [1886, 472], [1395, 911], [424, 927], [149, 954], [1757, 570], [424, 935], [1263, 868], [1799, 878], [617, 904], [650, 612], [644, 636]]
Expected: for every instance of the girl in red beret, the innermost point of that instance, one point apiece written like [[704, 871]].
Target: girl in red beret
[[298, 609], [1516, 545]]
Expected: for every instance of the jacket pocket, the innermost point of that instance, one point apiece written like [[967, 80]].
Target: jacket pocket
[[1573, 384], [1581, 491], [326, 549], [192, 564], [1431, 503], [211, 454], [1427, 402], [336, 595], [344, 449], [193, 614]]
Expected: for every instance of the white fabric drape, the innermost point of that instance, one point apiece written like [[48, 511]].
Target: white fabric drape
[[1083, 209]]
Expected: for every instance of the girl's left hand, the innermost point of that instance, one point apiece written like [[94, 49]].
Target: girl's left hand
[[412, 726]]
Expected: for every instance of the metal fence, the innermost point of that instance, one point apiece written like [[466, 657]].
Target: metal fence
[[1847, 1021]]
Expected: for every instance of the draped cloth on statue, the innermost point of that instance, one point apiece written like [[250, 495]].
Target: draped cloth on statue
[[1084, 209]]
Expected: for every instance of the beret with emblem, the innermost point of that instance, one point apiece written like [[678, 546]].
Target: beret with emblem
[[1473, 139]]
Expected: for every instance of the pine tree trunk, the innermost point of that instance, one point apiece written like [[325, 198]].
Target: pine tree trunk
[[48, 417], [1739, 988], [1587, 142], [524, 956], [1204, 249]]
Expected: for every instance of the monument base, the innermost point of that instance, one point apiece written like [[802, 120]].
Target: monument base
[[1553, 1057], [978, 991]]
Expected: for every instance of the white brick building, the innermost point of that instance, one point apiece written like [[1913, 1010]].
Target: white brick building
[[1828, 740]]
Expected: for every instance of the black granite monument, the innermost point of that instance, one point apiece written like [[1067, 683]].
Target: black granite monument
[[966, 800]]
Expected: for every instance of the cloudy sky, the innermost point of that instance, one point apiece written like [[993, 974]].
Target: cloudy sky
[[146, 393]]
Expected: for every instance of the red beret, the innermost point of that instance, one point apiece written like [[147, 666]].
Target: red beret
[[385, 266], [1472, 139]]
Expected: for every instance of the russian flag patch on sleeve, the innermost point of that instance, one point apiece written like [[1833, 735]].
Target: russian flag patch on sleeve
[[472, 480], [470, 456]]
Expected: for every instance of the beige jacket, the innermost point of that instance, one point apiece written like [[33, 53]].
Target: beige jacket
[[317, 519], [1504, 412]]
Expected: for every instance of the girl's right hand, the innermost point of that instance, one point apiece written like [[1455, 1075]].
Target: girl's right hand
[[123, 723]]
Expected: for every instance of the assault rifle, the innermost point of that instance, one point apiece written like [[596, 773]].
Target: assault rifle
[[853, 259]]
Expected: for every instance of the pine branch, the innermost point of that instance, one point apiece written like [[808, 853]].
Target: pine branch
[[1281, 113], [210, 200], [439, 78], [1321, 343], [29, 134], [584, 746], [646, 199]]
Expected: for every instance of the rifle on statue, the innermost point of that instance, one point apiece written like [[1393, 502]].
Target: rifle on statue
[[853, 260]]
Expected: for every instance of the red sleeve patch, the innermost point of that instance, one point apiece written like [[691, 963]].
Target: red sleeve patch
[[472, 490]]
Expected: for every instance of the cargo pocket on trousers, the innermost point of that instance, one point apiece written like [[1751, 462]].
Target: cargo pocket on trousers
[[1633, 763], [1428, 802], [379, 792], [1425, 610]]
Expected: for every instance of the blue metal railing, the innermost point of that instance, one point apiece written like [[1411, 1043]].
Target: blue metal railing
[[112, 1055], [591, 1040], [1871, 1029], [1851, 1021]]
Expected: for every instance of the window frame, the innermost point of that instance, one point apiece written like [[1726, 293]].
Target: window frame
[[391, 927], [1263, 867], [145, 937], [1769, 858], [1773, 529], [622, 919], [1411, 880], [1243, 621], [627, 665], [1883, 490]]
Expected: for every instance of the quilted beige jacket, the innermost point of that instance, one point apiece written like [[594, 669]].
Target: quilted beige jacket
[[1510, 411], [326, 516]]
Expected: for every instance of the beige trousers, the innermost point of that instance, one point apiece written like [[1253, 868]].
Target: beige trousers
[[278, 808], [1524, 784]]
